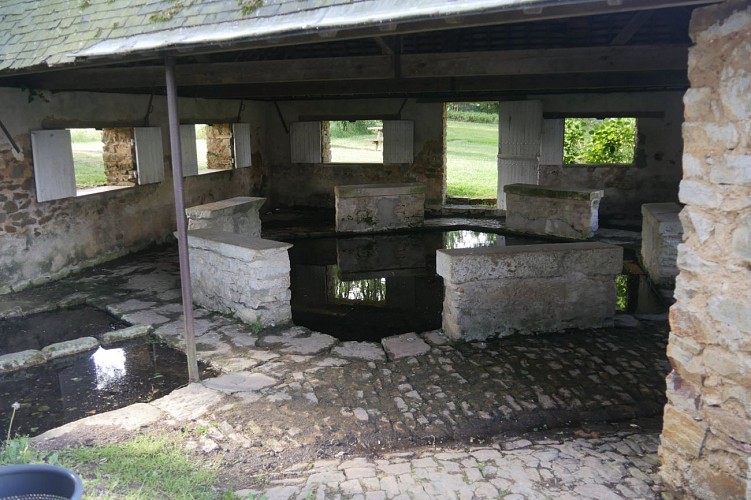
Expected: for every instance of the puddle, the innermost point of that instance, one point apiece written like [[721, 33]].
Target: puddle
[[370, 287], [40, 330], [71, 388]]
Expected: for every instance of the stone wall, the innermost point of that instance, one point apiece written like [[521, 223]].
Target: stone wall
[[656, 172], [706, 439], [219, 146], [379, 207], [313, 185], [526, 289], [241, 275], [44, 241], [119, 156]]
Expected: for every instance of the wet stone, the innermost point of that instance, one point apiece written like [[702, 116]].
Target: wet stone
[[129, 333], [294, 341], [20, 360], [70, 347]]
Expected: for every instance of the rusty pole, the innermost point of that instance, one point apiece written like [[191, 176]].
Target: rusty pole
[[182, 236]]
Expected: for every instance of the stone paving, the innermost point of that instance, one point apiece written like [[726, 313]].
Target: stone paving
[[354, 419]]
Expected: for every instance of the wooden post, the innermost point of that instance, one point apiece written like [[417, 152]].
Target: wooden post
[[182, 236]]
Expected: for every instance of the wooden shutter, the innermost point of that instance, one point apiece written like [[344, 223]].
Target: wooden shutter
[[305, 142], [551, 144], [398, 141], [149, 154], [519, 135], [241, 144], [188, 150], [54, 175]]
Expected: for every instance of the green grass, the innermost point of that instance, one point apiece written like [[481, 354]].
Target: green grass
[[472, 149], [88, 164]]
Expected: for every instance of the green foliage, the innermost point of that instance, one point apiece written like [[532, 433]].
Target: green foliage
[[85, 135], [472, 116], [249, 6], [345, 129], [593, 141], [371, 291], [621, 285]]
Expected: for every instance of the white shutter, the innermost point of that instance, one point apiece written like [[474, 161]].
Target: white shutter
[[188, 150], [54, 175], [398, 141], [149, 154], [241, 144], [305, 142], [551, 145], [519, 135]]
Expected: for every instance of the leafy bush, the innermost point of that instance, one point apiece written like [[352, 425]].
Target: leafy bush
[[593, 141], [472, 116]]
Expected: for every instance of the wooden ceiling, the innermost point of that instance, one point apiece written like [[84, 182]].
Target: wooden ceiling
[[623, 51]]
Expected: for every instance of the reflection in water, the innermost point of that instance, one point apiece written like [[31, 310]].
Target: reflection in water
[[109, 365], [471, 239], [366, 291]]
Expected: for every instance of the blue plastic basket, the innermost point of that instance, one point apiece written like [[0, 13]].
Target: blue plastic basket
[[39, 482]]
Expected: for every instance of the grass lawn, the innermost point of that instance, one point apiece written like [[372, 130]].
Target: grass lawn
[[88, 164], [472, 170]]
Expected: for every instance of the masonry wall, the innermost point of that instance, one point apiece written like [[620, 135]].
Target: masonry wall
[[706, 439], [656, 172], [312, 185], [44, 241]]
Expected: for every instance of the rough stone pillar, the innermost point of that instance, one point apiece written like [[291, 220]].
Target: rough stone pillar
[[706, 439], [119, 156], [219, 146], [325, 141]]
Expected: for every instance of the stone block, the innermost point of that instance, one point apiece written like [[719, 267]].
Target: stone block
[[379, 207], [661, 234], [234, 215], [132, 332], [241, 275], [498, 291], [566, 213], [70, 347], [20, 360], [405, 345]]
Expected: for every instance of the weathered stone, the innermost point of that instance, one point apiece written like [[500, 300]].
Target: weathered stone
[[568, 213], [235, 215], [405, 345], [70, 347], [131, 332], [219, 146], [528, 289], [20, 360], [305, 344], [662, 231], [189, 402], [360, 350], [238, 274], [379, 207], [240, 382]]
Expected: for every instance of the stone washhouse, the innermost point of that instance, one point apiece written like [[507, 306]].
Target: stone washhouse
[[267, 84]]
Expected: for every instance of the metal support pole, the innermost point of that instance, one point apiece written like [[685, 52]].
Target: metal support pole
[[182, 236]]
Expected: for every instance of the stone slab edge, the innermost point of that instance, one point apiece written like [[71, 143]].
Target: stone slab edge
[[128, 333], [223, 207], [372, 190], [535, 191], [234, 245]]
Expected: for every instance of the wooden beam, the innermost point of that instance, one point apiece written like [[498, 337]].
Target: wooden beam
[[634, 25], [546, 61], [586, 61]]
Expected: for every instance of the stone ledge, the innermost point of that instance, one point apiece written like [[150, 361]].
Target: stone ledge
[[20, 360], [224, 207], [234, 245], [372, 190], [666, 215], [522, 261], [536, 191]]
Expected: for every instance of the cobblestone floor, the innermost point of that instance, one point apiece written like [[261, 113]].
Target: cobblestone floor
[[300, 414]]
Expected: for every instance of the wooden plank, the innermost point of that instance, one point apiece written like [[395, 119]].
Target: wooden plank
[[519, 136], [241, 144], [188, 151], [54, 174], [398, 141], [551, 144], [634, 25], [305, 142], [545, 61], [587, 60], [149, 154]]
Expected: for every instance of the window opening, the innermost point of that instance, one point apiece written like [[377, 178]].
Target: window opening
[[102, 159], [357, 141], [592, 141], [471, 150]]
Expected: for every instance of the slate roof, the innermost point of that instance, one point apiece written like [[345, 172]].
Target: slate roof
[[37, 34]]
